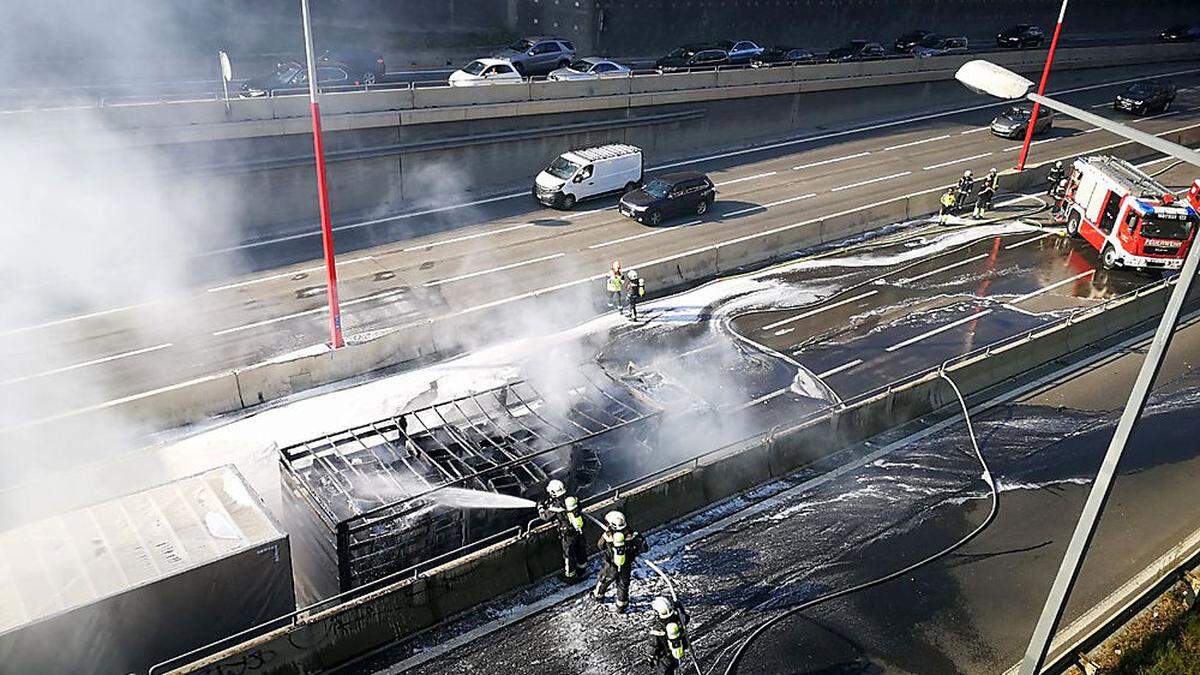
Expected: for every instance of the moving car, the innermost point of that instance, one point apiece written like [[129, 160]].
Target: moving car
[[739, 51], [937, 45], [1013, 122], [589, 68], [857, 50], [582, 174], [1145, 97], [484, 72], [292, 75], [1180, 32], [364, 66], [780, 55], [538, 55], [692, 56], [905, 43], [1020, 36], [669, 195]]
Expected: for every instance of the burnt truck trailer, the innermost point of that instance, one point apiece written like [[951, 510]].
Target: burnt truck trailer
[[367, 499], [124, 584]]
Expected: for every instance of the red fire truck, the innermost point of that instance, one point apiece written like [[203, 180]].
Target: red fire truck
[[1130, 218]]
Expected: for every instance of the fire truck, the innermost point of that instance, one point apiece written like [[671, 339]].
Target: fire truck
[[1130, 218]]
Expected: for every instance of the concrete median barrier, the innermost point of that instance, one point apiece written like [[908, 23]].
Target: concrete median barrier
[[446, 97], [548, 90]]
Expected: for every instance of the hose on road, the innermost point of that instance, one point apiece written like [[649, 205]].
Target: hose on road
[[995, 508]]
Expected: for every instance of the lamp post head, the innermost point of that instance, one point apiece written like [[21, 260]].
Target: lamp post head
[[988, 78]]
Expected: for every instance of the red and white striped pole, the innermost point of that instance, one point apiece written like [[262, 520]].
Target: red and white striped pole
[[335, 312], [1037, 107]]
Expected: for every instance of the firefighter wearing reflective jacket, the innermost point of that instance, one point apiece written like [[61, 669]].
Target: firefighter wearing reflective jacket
[[613, 285], [966, 186], [666, 651], [563, 510], [948, 200], [983, 201], [620, 550]]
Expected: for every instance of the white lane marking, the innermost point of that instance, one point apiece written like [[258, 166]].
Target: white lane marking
[[841, 368], [939, 330], [830, 161], [1106, 104], [1047, 289], [951, 266], [868, 182], [309, 312], [284, 275], [745, 178], [78, 317], [763, 399], [472, 275], [1044, 140], [974, 131], [95, 362], [467, 237], [764, 207], [651, 233], [697, 350], [909, 145], [818, 310], [1092, 130], [1027, 241], [955, 161]]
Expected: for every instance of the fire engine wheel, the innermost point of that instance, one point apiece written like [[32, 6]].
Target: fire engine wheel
[[1073, 225], [1109, 258]]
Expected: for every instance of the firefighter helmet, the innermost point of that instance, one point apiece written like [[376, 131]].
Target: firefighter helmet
[[661, 606], [556, 489], [615, 520]]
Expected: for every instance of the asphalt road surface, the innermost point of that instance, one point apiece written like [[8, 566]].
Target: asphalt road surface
[[882, 508], [500, 248]]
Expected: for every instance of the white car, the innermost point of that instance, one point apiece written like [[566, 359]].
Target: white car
[[589, 68], [485, 71]]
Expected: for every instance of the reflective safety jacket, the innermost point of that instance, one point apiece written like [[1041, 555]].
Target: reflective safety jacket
[[948, 199], [614, 283]]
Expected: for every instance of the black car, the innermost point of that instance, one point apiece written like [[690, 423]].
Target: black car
[[857, 50], [293, 76], [739, 51], [906, 42], [781, 55], [692, 56], [1021, 36], [1146, 97], [363, 66], [669, 195], [1180, 33], [939, 45], [1013, 122]]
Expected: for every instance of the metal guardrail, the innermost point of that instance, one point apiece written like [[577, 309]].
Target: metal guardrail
[[518, 532]]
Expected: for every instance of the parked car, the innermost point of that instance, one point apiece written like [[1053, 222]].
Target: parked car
[[538, 55], [292, 75], [778, 55], [907, 42], [692, 56], [1180, 32], [1013, 122], [1143, 98], [669, 195], [484, 72], [740, 51], [1021, 36], [857, 50], [937, 45], [364, 66], [589, 68], [589, 172]]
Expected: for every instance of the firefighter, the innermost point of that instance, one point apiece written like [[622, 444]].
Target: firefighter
[[563, 510], [966, 186], [613, 284], [983, 202], [635, 289], [670, 649], [619, 551], [948, 201], [666, 613], [1052, 178], [1058, 198], [993, 179]]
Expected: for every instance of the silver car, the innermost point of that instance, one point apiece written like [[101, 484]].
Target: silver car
[[589, 68], [538, 55]]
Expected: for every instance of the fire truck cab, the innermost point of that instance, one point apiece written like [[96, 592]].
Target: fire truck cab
[[1130, 218]]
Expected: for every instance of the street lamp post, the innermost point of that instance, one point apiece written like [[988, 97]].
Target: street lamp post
[[335, 313], [1041, 88], [989, 78]]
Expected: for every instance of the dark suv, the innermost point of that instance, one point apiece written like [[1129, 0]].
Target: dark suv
[[1146, 97], [1020, 36], [692, 56], [673, 194]]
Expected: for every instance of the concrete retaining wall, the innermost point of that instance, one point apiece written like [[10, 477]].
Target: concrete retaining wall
[[325, 640]]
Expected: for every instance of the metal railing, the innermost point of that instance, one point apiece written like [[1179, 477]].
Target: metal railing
[[518, 532]]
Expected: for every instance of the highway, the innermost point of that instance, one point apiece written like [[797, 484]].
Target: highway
[[872, 509], [490, 251]]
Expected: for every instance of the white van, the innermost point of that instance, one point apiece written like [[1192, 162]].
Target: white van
[[591, 172]]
